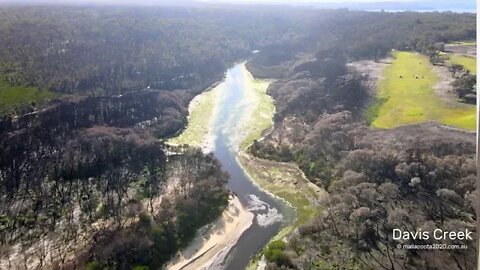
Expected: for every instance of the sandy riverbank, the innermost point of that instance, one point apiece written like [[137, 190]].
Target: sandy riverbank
[[214, 241]]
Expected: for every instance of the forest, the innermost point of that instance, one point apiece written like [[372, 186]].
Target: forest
[[87, 181], [413, 177]]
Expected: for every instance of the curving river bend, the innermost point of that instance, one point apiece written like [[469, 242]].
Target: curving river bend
[[223, 120], [228, 128]]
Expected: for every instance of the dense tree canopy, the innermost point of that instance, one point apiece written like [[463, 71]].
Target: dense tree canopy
[[86, 180], [419, 177], [113, 50]]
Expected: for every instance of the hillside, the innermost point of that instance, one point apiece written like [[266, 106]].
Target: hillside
[[415, 175], [90, 94]]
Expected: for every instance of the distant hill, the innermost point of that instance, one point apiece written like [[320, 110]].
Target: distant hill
[[429, 5], [465, 5], [105, 2]]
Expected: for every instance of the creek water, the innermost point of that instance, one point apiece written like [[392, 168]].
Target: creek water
[[270, 213]]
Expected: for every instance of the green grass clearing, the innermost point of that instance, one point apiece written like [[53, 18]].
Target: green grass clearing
[[468, 62], [12, 97], [409, 100]]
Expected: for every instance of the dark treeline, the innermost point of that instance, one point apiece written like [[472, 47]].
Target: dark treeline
[[164, 110], [465, 83], [27, 138], [113, 50], [94, 166], [367, 35]]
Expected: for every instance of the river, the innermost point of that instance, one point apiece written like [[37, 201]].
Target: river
[[269, 212]]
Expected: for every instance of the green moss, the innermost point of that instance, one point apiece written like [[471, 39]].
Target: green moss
[[408, 91]]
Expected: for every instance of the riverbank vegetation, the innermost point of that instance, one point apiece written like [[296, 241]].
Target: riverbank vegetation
[[287, 182], [121, 72], [283, 180], [200, 113]]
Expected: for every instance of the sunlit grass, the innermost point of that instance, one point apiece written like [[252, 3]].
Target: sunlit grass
[[409, 98], [17, 96], [468, 62]]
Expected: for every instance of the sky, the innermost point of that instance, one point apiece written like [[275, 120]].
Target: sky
[[300, 1], [354, 4], [259, 1], [329, 1]]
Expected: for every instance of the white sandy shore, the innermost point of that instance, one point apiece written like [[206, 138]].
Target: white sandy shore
[[213, 241]]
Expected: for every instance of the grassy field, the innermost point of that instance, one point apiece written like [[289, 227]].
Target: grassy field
[[13, 96], [201, 110], [468, 62], [405, 99]]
